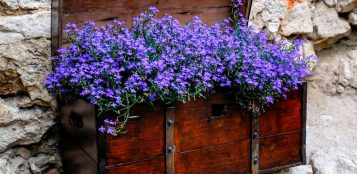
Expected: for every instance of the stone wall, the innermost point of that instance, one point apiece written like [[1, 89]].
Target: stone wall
[[27, 139], [329, 30]]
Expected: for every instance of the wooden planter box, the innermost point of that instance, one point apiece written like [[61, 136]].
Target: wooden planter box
[[202, 136], [212, 136]]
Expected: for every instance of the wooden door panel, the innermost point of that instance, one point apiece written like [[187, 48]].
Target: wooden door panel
[[223, 159], [195, 128], [144, 138], [283, 116], [280, 150], [152, 166]]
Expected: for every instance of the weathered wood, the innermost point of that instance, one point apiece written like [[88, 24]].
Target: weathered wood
[[194, 129], [144, 138], [232, 157], [83, 5], [75, 160], [209, 15], [152, 166], [303, 99], [78, 122], [170, 146], [280, 150], [202, 142], [283, 116], [56, 27], [255, 143]]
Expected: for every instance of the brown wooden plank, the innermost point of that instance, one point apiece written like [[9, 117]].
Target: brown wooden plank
[[154, 166], [144, 138], [228, 158], [193, 129], [218, 98], [280, 150], [167, 4], [208, 15], [284, 116], [84, 5]]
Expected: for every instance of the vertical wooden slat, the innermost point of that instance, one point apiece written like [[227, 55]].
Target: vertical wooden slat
[[56, 27], [255, 143], [303, 122], [101, 146], [170, 146], [247, 6]]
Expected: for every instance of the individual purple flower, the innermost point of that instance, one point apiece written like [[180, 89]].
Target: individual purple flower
[[102, 129], [111, 130], [153, 96], [269, 99]]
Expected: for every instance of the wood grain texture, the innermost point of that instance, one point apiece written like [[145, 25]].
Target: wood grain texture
[[208, 15], [144, 139], [83, 5], [223, 159], [104, 11], [78, 123], [284, 116], [153, 166], [75, 160], [193, 130], [280, 150]]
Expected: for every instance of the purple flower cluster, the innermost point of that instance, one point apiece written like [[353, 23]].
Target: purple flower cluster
[[116, 67]]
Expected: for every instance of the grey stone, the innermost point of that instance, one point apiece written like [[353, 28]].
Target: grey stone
[[330, 3], [331, 128], [29, 26], [28, 160], [268, 13], [10, 37], [13, 4], [332, 163], [27, 4], [32, 57], [22, 126], [352, 17], [15, 161], [327, 22], [273, 27], [336, 69], [24, 62], [298, 20], [306, 169], [343, 6], [41, 162]]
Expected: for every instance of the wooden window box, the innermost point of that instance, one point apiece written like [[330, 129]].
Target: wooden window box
[[202, 136]]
